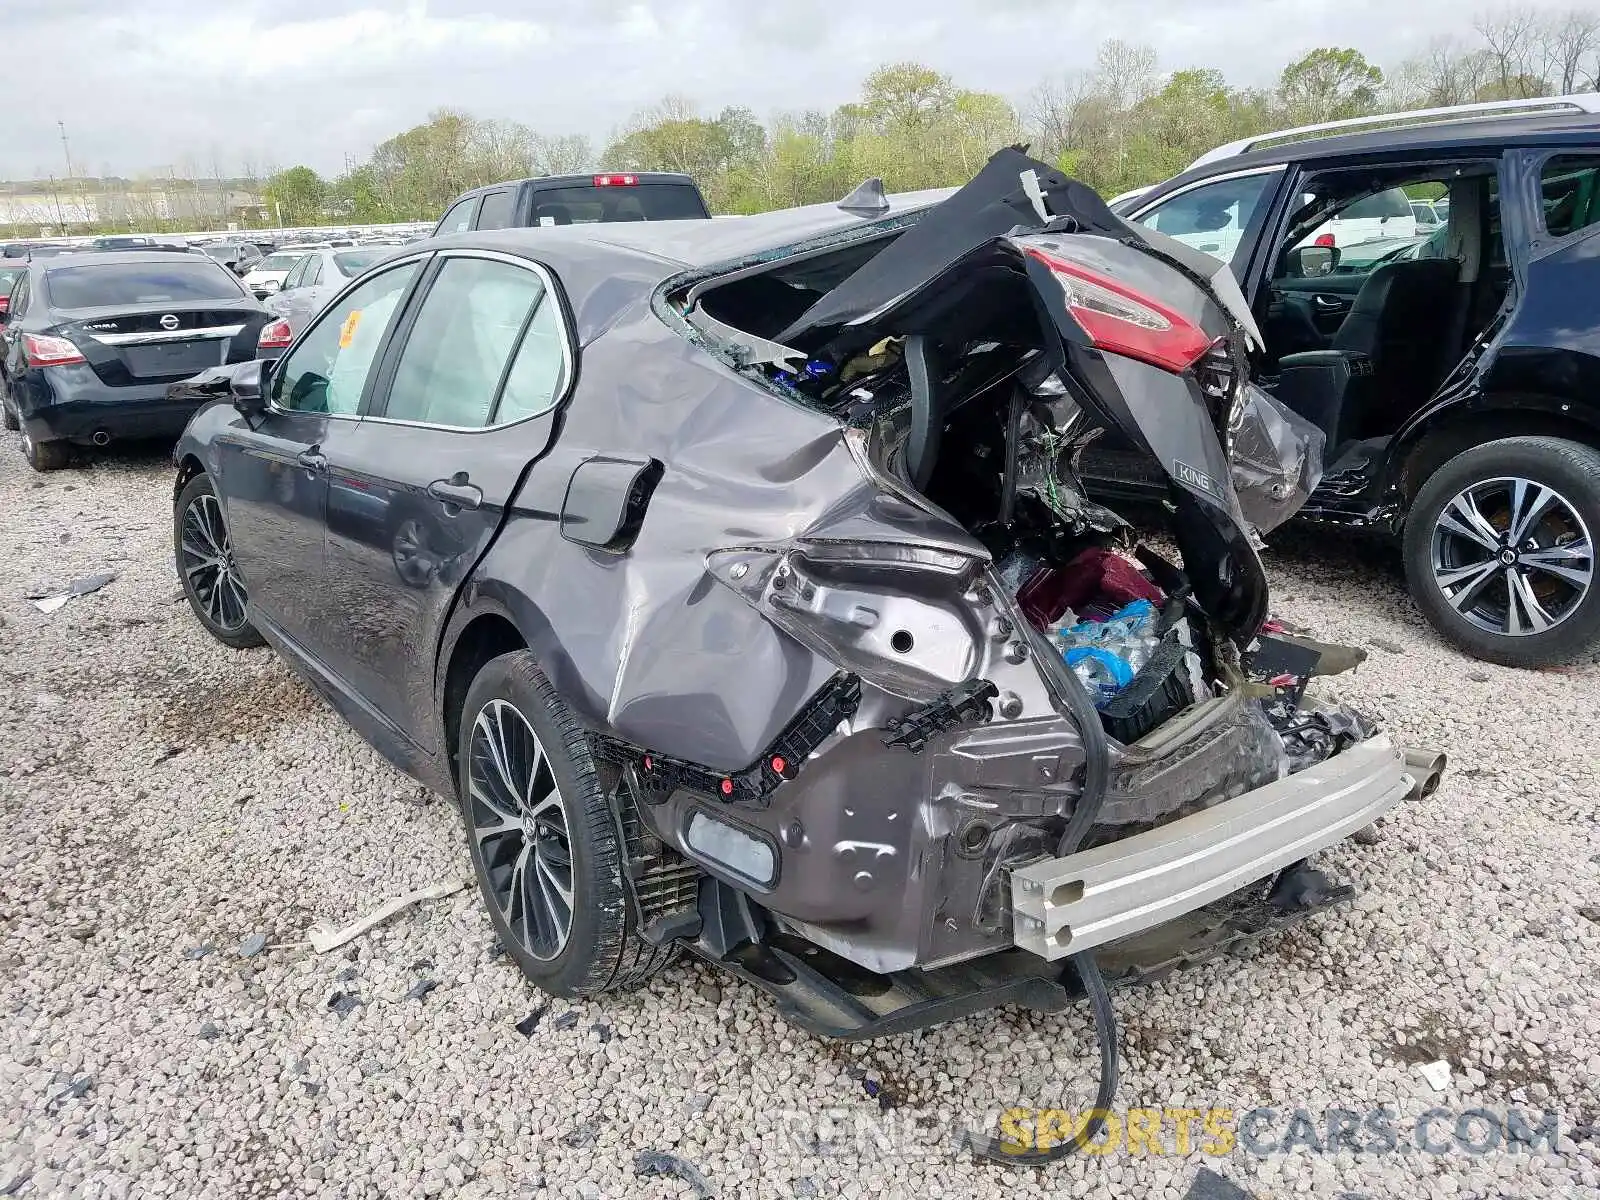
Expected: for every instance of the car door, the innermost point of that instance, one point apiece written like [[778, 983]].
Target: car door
[[307, 298], [273, 472], [465, 401]]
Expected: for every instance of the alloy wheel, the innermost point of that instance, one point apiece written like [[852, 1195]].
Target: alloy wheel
[[519, 823], [208, 564], [1512, 556]]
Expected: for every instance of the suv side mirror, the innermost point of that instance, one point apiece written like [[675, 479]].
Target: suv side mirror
[[1310, 262], [247, 388]]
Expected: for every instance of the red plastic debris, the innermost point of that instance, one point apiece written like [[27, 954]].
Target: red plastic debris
[[1095, 576], [727, 787]]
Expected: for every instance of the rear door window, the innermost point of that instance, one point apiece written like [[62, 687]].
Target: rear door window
[[457, 350], [538, 375], [313, 274], [1568, 187], [495, 212], [177, 282]]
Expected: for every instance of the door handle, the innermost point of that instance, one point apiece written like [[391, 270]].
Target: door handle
[[456, 492], [1328, 302], [312, 459]]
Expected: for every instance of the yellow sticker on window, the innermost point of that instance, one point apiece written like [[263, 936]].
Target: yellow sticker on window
[[347, 331]]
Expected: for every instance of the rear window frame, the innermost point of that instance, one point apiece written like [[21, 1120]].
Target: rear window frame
[[180, 263], [1544, 164], [550, 195]]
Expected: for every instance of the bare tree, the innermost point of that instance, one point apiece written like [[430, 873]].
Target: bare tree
[[562, 155], [1126, 73], [1514, 40], [1052, 109], [1570, 40]]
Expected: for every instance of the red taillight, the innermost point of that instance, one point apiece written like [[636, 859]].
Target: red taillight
[[1324, 240], [5, 304], [1122, 321], [44, 351], [616, 181], [276, 336]]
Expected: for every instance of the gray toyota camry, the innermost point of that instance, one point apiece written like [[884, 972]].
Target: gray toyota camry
[[734, 579]]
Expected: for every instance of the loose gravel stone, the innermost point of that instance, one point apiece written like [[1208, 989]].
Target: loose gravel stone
[[120, 809]]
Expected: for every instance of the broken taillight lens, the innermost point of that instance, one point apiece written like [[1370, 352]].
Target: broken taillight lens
[[1120, 320], [45, 351]]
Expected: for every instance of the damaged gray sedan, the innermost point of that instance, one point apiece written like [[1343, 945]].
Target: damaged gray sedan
[[735, 579]]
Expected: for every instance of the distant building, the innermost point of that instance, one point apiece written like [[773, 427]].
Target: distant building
[[61, 205]]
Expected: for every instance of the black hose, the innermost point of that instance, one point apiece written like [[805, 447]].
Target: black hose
[[1105, 1029], [1097, 778]]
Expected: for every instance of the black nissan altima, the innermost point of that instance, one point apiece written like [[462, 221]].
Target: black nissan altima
[[91, 342], [712, 567]]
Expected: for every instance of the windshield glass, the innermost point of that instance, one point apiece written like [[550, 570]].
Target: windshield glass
[[140, 283], [352, 262], [278, 262], [223, 251]]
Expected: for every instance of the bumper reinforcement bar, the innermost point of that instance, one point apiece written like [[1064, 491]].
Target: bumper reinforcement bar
[[1064, 906]]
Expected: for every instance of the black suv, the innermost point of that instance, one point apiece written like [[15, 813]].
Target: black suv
[[576, 200], [1454, 371]]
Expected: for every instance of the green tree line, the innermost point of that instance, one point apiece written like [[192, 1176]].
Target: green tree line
[[1121, 123]]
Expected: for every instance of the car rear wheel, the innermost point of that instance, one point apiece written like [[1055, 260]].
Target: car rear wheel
[[544, 841], [8, 416], [203, 550], [1499, 551], [45, 456]]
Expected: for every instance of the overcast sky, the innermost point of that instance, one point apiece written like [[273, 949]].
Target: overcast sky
[[147, 84]]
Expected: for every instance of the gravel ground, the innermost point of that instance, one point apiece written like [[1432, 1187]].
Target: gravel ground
[[165, 799]]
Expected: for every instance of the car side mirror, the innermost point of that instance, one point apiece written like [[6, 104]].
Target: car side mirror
[[248, 388], [1310, 262]]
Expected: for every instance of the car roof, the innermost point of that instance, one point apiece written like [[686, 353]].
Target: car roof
[[1452, 137], [100, 258], [694, 243]]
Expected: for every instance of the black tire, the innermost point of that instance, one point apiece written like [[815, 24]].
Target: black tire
[[8, 418], [600, 951], [216, 595], [45, 456], [1569, 469]]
